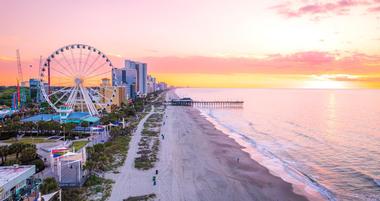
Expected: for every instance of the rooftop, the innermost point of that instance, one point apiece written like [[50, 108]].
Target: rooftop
[[91, 119], [42, 117], [78, 115], [9, 173]]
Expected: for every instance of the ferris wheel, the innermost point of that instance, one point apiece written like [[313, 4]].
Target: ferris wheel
[[77, 77]]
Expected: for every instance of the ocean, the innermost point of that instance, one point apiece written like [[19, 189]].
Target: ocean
[[324, 142]]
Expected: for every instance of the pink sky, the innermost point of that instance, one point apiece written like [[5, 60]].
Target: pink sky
[[202, 36]]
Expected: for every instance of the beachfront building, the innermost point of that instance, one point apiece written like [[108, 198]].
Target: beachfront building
[[107, 93], [141, 69], [16, 182], [131, 80], [125, 77], [151, 84], [141, 75], [162, 86]]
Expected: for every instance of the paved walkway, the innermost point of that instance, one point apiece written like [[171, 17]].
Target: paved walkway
[[131, 181]]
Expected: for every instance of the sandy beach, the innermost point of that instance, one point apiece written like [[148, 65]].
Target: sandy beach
[[198, 162]]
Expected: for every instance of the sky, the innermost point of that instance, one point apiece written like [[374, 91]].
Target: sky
[[205, 43]]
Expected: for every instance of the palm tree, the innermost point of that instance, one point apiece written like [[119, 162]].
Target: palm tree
[[4, 151], [68, 127], [16, 148], [41, 126]]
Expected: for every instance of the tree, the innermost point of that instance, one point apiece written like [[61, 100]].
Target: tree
[[53, 126], [28, 126], [84, 124], [4, 151], [28, 154], [68, 128], [16, 148], [90, 166], [40, 127], [49, 185]]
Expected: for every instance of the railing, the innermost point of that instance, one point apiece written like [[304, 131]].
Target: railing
[[237, 104]]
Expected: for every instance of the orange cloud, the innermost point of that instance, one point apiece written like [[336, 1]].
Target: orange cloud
[[297, 63], [5, 58]]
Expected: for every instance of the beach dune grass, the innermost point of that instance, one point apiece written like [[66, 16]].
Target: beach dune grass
[[149, 143], [77, 145]]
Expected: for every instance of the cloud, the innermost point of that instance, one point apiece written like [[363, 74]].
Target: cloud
[[341, 7], [311, 62], [6, 58], [312, 57], [374, 9], [351, 78]]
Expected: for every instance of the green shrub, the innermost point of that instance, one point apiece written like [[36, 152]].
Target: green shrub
[[74, 194], [49, 185], [39, 163], [10, 162], [28, 154], [93, 180]]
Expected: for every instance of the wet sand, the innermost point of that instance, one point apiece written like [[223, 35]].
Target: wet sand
[[200, 163]]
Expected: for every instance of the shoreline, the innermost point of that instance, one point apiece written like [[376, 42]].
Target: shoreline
[[200, 162], [298, 187]]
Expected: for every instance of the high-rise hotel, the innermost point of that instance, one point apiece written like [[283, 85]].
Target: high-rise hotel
[[133, 76]]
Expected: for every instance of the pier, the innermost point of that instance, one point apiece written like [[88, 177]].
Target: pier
[[193, 103]]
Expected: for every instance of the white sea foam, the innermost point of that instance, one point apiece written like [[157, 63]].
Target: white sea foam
[[323, 141], [302, 182]]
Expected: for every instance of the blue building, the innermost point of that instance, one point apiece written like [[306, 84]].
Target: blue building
[[141, 75], [72, 117], [133, 76], [35, 91]]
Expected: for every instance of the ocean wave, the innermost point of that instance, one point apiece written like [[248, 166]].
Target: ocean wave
[[300, 134], [355, 173], [293, 172], [307, 136]]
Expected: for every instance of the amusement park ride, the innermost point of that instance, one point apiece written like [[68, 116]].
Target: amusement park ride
[[19, 98], [70, 79]]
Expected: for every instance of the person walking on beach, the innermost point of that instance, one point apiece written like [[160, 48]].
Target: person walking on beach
[[238, 160]]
